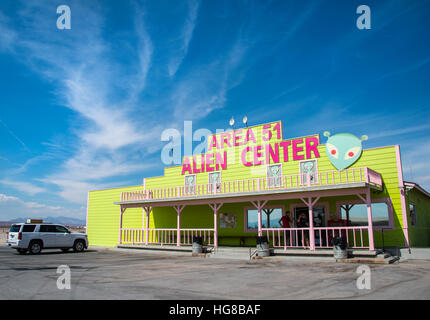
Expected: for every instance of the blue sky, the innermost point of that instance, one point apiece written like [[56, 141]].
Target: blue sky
[[84, 109]]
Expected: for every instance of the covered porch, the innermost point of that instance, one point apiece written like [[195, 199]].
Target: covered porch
[[258, 193]]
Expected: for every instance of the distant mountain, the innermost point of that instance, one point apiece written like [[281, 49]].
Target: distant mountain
[[59, 220]]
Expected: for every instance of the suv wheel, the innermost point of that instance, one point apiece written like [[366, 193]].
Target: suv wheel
[[35, 247], [79, 246]]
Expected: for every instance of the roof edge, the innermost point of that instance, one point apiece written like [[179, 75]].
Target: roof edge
[[418, 187]]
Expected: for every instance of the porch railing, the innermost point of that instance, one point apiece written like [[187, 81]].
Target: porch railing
[[295, 237], [326, 178], [165, 236]]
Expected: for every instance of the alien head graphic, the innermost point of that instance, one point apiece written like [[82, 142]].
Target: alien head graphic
[[343, 149]]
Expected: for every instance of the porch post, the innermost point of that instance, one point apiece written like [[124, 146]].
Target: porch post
[[368, 202], [310, 204], [369, 219], [260, 232], [216, 228], [178, 228], [122, 210], [147, 211], [215, 207], [311, 225], [259, 205], [178, 210]]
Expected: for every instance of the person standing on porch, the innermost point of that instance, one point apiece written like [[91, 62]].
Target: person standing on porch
[[302, 222], [284, 222]]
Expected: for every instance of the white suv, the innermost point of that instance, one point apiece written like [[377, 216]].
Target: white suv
[[33, 237]]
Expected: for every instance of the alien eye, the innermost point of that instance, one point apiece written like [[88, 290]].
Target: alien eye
[[332, 150], [352, 152]]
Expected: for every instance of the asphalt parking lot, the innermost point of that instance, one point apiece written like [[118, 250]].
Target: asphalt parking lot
[[135, 274]]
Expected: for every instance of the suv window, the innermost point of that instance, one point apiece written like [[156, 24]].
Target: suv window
[[28, 228], [47, 228], [61, 229], [15, 228]]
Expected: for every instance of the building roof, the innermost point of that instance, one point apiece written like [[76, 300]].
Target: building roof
[[412, 185]]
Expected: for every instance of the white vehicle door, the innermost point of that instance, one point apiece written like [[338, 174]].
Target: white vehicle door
[[48, 236], [63, 237]]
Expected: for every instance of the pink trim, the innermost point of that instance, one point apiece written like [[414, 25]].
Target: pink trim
[[373, 177], [237, 187], [280, 196], [165, 236], [279, 239], [402, 196], [362, 201]]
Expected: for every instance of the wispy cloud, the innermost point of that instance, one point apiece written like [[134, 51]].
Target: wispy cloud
[[28, 204], [33, 209], [22, 186], [205, 87], [185, 37], [79, 62], [7, 35], [396, 132], [145, 51]]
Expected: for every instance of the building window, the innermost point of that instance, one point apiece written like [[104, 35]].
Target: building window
[[308, 167], [274, 175], [214, 181], [319, 213], [190, 184], [413, 214], [355, 214], [269, 218]]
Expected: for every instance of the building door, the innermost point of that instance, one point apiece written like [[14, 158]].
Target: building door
[[214, 182], [319, 220]]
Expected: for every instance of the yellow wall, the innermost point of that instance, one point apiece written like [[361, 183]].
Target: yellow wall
[[103, 216]]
